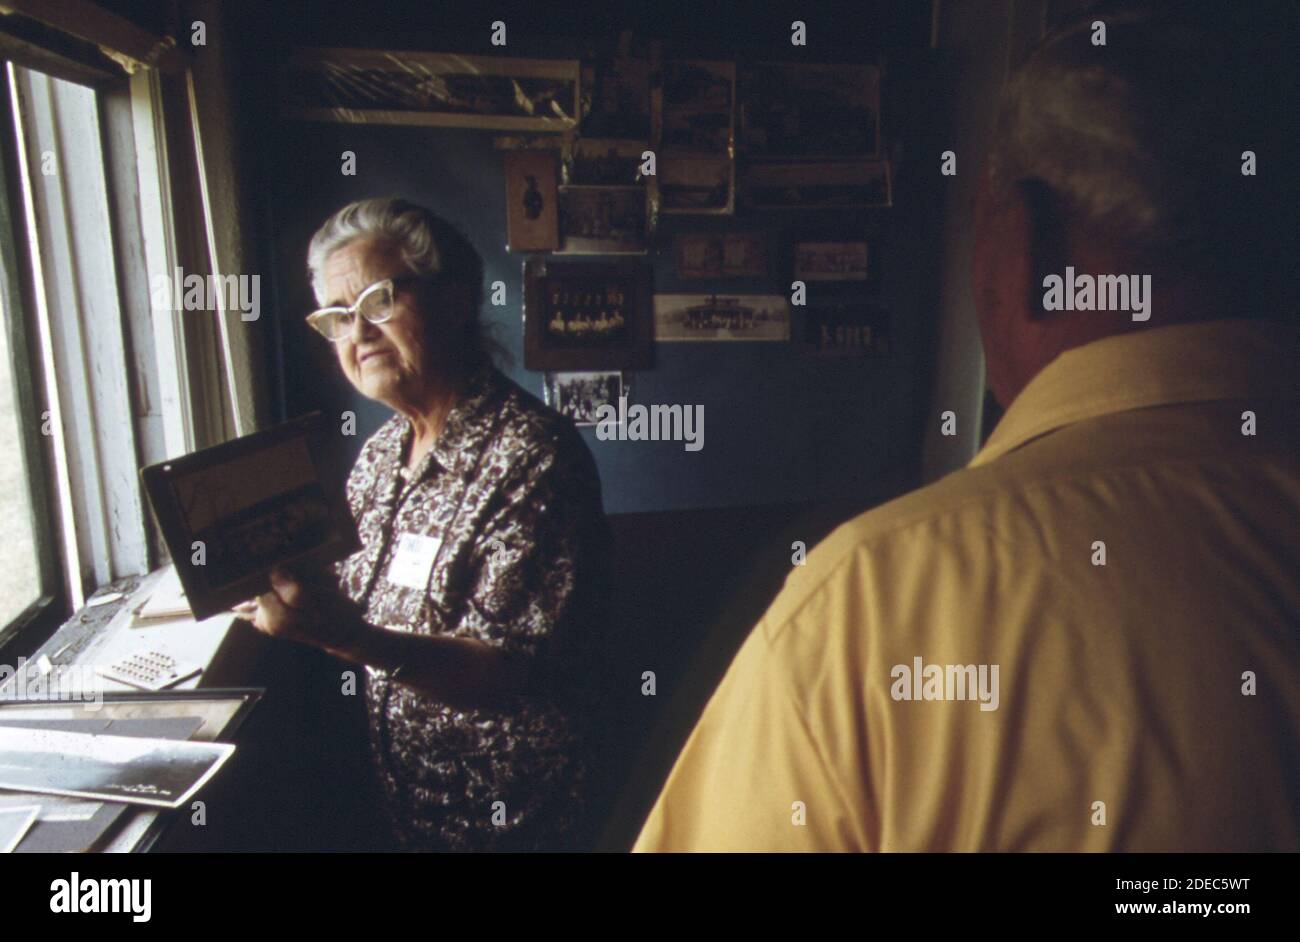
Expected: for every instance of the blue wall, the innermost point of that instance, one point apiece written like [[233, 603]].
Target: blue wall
[[780, 426]]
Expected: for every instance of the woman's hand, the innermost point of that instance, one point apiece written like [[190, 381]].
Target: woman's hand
[[303, 612]]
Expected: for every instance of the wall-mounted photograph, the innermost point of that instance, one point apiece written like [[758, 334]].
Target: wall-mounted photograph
[[583, 316], [371, 86], [605, 162], [831, 261], [694, 106], [580, 395], [693, 111], [696, 184], [806, 110], [616, 98], [817, 184], [602, 220], [532, 212], [846, 330], [687, 317], [721, 255]]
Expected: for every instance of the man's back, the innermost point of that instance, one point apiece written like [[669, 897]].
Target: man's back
[[1085, 641]]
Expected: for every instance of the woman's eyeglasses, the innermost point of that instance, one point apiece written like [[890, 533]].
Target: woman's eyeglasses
[[375, 304]]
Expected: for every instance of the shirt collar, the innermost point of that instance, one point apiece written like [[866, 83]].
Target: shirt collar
[[464, 433], [1185, 363]]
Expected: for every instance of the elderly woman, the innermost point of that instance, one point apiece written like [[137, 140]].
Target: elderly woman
[[484, 556]]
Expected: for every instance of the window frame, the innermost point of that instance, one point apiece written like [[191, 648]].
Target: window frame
[[193, 381], [52, 604]]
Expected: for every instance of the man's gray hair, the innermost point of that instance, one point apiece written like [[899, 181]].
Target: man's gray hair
[[430, 246], [1141, 139]]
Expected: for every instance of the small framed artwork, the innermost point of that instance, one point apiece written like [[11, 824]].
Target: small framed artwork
[[693, 112], [532, 212], [603, 220], [846, 331], [725, 317], [371, 86], [605, 162], [699, 184], [580, 395], [818, 184], [616, 98], [792, 110], [587, 316], [721, 255], [694, 107], [831, 261]]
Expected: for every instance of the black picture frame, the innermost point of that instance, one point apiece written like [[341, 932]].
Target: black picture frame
[[572, 293]]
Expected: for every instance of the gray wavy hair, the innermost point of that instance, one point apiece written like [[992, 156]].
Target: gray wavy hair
[[1142, 138], [429, 246]]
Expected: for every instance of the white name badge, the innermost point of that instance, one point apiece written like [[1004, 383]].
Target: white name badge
[[413, 560]]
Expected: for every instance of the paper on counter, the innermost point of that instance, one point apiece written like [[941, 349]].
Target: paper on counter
[[158, 772]]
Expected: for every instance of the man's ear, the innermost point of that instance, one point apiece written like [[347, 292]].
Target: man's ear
[[1039, 234]]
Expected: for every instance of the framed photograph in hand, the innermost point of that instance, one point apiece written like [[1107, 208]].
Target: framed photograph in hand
[[229, 513]]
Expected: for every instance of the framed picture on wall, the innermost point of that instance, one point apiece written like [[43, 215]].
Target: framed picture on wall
[[532, 211], [694, 106], [371, 86], [616, 98], [696, 183], [846, 330], [602, 220], [832, 261], [605, 162], [794, 110], [580, 395], [587, 316], [693, 115], [726, 317], [817, 184], [721, 255]]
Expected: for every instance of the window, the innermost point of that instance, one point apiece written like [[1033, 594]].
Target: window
[[20, 576], [32, 587], [106, 185], [78, 378]]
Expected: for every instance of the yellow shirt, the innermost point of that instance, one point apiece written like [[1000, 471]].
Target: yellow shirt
[[1150, 703]]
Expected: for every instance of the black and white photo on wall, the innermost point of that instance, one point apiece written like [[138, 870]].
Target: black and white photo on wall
[[799, 110], [848, 330], [532, 211], [373, 86], [602, 220], [580, 395], [587, 315], [694, 106], [816, 184], [605, 162], [832, 261], [616, 98], [721, 255], [693, 112], [697, 183], [721, 317]]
